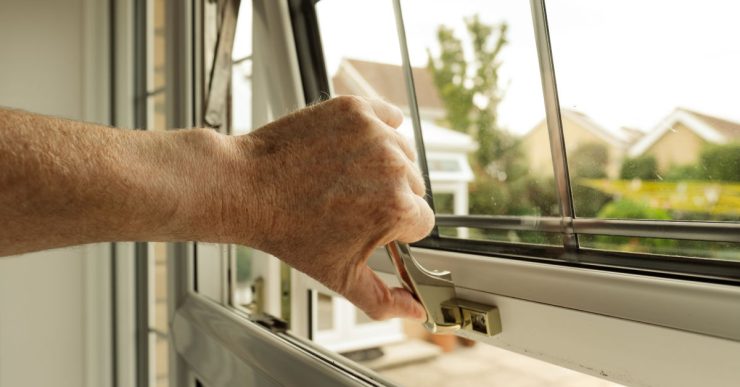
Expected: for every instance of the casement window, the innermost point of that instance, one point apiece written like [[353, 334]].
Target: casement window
[[609, 251]]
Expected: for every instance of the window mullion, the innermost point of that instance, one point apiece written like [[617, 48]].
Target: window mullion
[[554, 123], [413, 105]]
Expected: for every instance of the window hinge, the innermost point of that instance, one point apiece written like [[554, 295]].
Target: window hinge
[[436, 292], [274, 324], [221, 69]]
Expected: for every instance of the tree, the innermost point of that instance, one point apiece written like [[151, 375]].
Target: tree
[[471, 94], [721, 162]]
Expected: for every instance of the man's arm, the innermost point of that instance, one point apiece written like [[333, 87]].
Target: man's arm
[[65, 183], [320, 189]]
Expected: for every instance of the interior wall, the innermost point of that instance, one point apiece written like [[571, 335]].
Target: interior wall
[[50, 302]]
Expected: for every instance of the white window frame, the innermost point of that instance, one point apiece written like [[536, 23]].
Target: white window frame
[[622, 326]]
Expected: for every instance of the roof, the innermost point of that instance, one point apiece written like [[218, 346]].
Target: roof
[[729, 129], [437, 138], [711, 129], [373, 79], [581, 119]]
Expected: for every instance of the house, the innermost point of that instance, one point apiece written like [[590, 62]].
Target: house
[[374, 79], [579, 129], [680, 136]]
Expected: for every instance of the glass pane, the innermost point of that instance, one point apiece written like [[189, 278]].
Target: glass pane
[[157, 120], [479, 106], [241, 78], [362, 318], [159, 331], [649, 105], [325, 313], [159, 47], [247, 289], [681, 248], [480, 100], [512, 236], [477, 166]]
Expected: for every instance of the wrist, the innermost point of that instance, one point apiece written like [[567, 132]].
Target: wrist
[[215, 173]]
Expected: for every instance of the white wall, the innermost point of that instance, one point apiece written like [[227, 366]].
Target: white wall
[[53, 316]]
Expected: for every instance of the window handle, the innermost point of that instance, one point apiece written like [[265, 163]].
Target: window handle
[[430, 288], [436, 292]]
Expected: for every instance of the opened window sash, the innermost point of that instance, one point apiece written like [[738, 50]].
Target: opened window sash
[[568, 226]]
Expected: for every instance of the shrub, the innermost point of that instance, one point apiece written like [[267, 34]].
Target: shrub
[[721, 162], [627, 209], [642, 167]]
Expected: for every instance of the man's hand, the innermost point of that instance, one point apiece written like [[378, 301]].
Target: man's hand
[[335, 181], [320, 189]]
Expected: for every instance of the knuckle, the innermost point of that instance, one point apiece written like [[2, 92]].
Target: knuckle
[[350, 103], [401, 203], [392, 163], [404, 143]]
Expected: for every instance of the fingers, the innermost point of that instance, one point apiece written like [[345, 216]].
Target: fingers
[[416, 181], [402, 143], [387, 113], [380, 302], [419, 222]]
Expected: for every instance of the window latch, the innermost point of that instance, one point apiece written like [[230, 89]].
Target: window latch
[[436, 292]]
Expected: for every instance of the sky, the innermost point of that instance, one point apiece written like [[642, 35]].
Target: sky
[[622, 62]]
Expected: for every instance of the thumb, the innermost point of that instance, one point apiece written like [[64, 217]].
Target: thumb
[[380, 302]]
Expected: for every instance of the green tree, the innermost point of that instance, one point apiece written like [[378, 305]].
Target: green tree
[[469, 86], [471, 94], [721, 162]]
